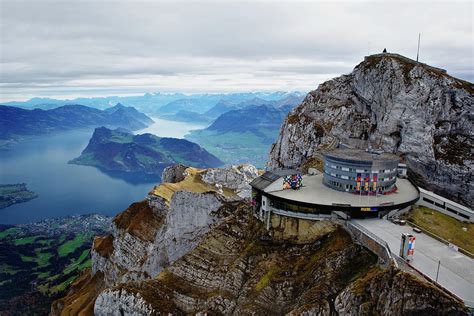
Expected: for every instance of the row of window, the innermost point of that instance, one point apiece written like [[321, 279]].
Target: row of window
[[361, 170], [354, 187], [362, 178], [296, 208], [447, 208]]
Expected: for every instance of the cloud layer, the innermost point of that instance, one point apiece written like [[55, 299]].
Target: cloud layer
[[82, 48]]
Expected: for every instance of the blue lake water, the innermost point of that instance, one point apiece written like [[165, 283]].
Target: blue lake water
[[66, 189]]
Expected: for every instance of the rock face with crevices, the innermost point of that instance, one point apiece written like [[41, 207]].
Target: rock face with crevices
[[174, 173], [235, 270], [237, 178], [392, 103], [152, 234], [393, 292], [193, 247]]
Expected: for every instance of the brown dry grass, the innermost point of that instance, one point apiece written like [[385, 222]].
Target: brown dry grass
[[139, 220], [81, 296], [313, 162], [192, 183], [104, 245]]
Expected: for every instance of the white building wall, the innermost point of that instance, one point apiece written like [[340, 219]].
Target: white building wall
[[445, 206]]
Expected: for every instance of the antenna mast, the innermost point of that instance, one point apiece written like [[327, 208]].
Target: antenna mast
[[418, 51]]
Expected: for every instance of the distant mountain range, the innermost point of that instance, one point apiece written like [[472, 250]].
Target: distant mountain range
[[284, 104], [256, 120], [244, 132], [119, 150], [158, 103], [251, 120], [16, 122]]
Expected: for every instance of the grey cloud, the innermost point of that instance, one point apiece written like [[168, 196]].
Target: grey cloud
[[57, 44]]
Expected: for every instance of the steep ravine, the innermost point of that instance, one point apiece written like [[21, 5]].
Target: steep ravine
[[392, 103], [194, 246]]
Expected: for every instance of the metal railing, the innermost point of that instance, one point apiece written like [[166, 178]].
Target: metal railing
[[309, 216], [407, 266], [401, 263], [375, 238]]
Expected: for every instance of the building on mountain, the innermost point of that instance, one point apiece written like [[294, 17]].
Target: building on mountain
[[360, 172], [355, 182]]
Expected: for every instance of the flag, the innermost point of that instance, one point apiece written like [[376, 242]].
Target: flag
[[358, 181], [375, 182], [367, 180]]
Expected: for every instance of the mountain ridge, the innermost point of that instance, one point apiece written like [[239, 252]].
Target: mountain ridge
[[395, 104], [119, 150], [17, 122]]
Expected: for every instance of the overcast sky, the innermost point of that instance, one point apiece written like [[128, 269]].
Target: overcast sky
[[94, 48]]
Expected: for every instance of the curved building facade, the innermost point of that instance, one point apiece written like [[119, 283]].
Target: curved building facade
[[358, 171]]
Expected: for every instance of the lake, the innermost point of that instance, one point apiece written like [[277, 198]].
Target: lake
[[66, 189]]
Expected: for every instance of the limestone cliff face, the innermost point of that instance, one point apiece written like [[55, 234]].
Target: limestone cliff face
[[393, 292], [152, 234], [194, 246], [392, 103], [237, 270]]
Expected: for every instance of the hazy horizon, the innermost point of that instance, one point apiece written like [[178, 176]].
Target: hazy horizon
[[138, 94]]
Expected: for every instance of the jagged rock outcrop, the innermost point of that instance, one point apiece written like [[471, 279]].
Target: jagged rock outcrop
[[237, 270], [193, 247], [122, 303], [393, 292], [174, 173], [237, 178], [152, 234], [392, 103]]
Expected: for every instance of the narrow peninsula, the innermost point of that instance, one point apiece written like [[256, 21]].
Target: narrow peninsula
[[120, 150], [15, 193]]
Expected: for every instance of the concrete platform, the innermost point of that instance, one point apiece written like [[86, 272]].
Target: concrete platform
[[315, 192], [456, 271]]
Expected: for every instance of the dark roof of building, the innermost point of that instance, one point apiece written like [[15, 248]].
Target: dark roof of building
[[269, 177], [360, 155]]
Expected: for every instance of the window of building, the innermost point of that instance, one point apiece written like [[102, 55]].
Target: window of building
[[428, 200], [451, 210], [463, 215], [439, 204]]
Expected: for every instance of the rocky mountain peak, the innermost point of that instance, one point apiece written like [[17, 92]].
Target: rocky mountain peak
[[392, 103]]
